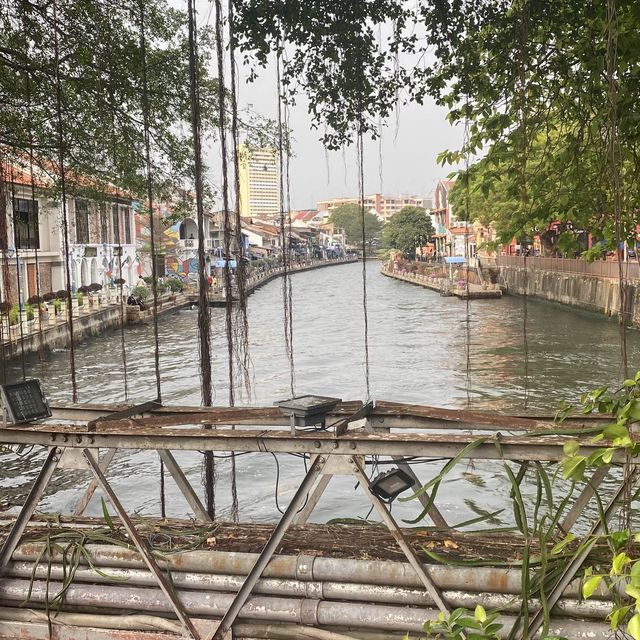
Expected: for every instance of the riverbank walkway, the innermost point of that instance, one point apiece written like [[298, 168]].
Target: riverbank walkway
[[108, 309], [445, 286]]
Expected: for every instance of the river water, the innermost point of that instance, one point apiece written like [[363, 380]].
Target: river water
[[418, 353]]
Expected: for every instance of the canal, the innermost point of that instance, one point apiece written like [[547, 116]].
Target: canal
[[418, 353]]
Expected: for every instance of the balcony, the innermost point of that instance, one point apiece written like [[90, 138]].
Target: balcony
[[188, 244]]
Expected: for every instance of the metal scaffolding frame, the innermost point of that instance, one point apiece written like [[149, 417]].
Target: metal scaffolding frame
[[388, 429]]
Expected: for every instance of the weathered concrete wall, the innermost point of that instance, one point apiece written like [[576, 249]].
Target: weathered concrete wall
[[56, 336], [601, 295]]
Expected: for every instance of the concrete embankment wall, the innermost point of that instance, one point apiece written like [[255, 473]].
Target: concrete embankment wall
[[96, 321], [600, 295]]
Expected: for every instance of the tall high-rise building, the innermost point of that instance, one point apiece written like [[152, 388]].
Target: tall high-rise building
[[259, 182]]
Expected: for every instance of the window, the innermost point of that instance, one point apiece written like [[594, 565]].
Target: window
[[104, 226], [82, 222], [116, 223], [25, 220], [127, 226]]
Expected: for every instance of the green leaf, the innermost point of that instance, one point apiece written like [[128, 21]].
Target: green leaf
[[634, 574], [480, 614], [619, 562], [571, 447], [106, 516], [573, 468], [634, 414], [620, 538], [618, 615], [590, 586], [633, 627], [614, 431], [633, 592], [557, 548]]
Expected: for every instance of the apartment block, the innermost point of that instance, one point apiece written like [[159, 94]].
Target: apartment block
[[383, 206], [259, 182]]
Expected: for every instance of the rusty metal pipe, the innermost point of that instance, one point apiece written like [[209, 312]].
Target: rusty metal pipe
[[310, 568], [135, 622], [297, 611], [154, 623], [574, 629], [304, 589]]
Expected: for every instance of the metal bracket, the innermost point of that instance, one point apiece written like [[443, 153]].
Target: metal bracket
[[364, 412], [407, 549], [73, 460]]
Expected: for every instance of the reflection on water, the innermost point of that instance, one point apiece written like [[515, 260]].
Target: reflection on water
[[418, 353]]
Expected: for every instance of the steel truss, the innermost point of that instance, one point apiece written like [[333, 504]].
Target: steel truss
[[341, 452]]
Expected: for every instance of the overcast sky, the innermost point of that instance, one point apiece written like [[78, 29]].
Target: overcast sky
[[408, 159]]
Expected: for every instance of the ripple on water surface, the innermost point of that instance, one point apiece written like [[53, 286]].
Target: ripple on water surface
[[418, 353]]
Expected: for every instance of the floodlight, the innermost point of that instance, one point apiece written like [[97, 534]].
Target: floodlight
[[389, 485], [23, 402], [307, 411]]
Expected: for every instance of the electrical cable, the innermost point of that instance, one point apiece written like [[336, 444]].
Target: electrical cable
[[34, 206], [146, 113], [524, 150], [278, 482], [285, 239], [241, 321]]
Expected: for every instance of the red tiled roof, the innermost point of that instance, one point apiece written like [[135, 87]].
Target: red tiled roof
[[461, 230]]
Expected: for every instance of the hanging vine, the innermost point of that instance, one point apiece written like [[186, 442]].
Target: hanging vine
[[63, 193], [285, 238]]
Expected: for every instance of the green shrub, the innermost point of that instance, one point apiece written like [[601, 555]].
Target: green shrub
[[140, 292], [14, 313], [80, 298], [175, 284]]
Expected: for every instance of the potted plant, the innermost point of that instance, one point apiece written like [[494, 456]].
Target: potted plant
[[61, 296], [93, 290], [39, 303], [120, 282]]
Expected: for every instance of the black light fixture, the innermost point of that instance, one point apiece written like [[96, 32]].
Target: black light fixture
[[23, 402], [389, 485], [307, 411]]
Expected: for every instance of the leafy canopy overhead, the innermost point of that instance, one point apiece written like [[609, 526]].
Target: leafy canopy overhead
[[349, 218], [407, 229], [101, 63], [529, 79]]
